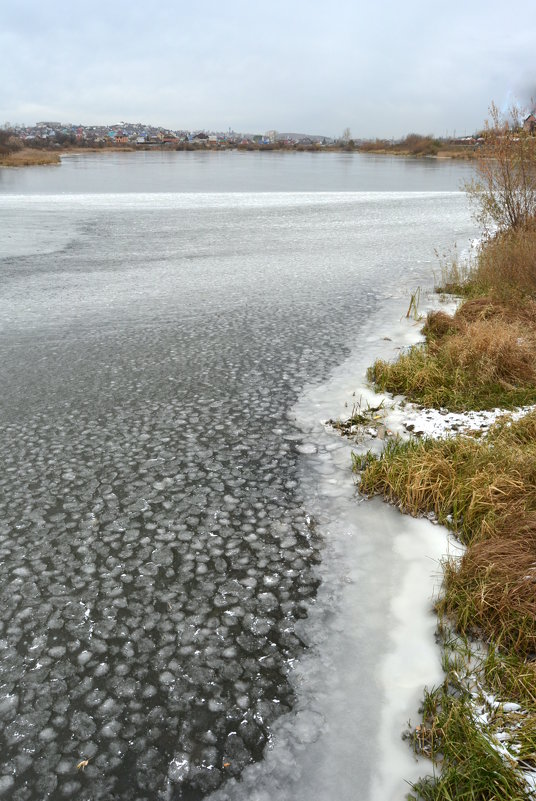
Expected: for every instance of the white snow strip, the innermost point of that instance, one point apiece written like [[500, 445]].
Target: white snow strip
[[440, 423]]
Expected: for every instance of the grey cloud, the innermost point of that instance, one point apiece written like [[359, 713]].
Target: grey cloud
[[382, 70]]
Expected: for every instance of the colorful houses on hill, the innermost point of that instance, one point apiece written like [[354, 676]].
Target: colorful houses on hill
[[123, 134]]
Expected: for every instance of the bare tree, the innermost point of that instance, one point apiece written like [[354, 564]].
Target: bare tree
[[9, 142], [504, 190]]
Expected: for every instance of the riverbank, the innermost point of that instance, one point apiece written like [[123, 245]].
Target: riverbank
[[31, 156], [424, 146], [27, 157], [447, 153], [478, 480], [442, 153]]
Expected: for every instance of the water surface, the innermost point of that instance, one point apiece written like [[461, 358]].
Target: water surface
[[161, 315], [236, 171]]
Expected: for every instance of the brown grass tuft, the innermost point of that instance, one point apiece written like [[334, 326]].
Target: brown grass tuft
[[438, 324], [482, 308], [493, 587], [466, 363], [493, 351], [507, 263]]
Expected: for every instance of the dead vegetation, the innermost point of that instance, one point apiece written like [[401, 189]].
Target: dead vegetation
[[507, 264], [485, 491], [469, 484], [418, 145], [27, 157], [481, 357], [362, 419], [491, 591]]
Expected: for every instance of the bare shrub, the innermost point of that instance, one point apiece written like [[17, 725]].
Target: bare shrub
[[504, 192], [419, 145], [9, 143]]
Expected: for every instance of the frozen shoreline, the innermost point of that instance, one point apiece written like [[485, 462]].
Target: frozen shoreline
[[370, 630]]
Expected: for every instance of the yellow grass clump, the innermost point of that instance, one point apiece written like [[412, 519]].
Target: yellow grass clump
[[481, 357], [468, 483]]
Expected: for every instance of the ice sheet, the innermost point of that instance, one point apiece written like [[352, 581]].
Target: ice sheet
[[370, 630]]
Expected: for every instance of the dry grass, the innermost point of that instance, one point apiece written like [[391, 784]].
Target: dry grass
[[28, 157], [493, 351], [485, 355], [503, 268], [507, 264], [481, 308], [481, 357], [472, 485], [491, 590]]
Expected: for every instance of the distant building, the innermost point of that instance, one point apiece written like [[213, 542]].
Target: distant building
[[529, 123]]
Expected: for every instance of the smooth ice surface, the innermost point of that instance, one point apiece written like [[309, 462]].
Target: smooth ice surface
[[182, 565]]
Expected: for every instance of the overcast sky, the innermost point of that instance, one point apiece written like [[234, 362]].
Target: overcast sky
[[381, 68]]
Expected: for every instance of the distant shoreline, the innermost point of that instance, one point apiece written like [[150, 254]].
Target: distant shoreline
[[28, 156]]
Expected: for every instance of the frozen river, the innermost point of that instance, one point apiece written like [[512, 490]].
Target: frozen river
[[184, 574]]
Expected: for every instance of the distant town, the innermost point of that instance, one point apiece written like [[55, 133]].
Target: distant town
[[45, 141], [125, 133]]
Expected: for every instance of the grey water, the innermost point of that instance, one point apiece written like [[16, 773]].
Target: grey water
[[161, 314]]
